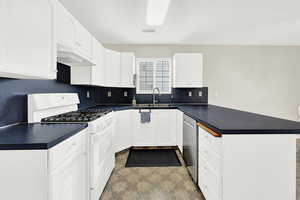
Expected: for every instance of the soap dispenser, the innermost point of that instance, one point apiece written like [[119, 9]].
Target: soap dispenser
[[134, 101]]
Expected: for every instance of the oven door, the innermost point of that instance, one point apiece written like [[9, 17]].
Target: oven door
[[101, 159]]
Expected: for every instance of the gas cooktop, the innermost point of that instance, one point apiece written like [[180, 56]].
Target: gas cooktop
[[85, 115]]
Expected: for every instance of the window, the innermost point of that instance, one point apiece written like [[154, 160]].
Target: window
[[152, 73]]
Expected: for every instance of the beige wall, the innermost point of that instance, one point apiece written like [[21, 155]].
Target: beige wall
[[261, 79]]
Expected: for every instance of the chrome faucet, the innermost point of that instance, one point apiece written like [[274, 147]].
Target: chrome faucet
[[153, 95]]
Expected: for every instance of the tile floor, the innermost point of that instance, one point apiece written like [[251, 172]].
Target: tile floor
[[149, 183]]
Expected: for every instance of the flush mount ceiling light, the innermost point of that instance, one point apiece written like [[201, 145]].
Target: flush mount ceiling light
[[157, 11]]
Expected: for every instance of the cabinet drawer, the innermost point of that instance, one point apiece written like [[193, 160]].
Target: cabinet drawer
[[209, 180], [213, 142], [212, 158], [68, 148]]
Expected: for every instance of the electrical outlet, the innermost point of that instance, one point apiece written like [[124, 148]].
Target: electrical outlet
[[190, 93], [200, 93], [88, 94], [216, 93], [125, 94], [109, 94]]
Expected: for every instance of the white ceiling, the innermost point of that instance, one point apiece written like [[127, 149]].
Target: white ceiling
[[274, 22]]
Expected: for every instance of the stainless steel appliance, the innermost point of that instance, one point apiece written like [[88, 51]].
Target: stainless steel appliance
[[190, 146]]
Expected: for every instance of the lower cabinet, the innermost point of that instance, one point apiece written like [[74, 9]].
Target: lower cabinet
[[164, 129], [160, 131], [54, 174], [69, 181], [123, 137], [251, 166]]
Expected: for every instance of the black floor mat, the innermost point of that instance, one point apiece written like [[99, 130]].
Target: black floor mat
[[152, 158]]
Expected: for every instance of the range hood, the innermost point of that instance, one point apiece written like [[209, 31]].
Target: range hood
[[70, 57]]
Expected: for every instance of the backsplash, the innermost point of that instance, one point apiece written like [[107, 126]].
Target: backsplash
[[109, 95], [13, 99], [125, 96]]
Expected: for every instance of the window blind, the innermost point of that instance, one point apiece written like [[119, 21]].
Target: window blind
[[153, 73]]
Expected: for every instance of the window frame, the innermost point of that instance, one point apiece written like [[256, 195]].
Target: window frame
[[154, 60]]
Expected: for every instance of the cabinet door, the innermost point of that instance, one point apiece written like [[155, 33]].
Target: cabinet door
[[161, 131], [112, 68], [179, 130], [83, 40], [69, 182], [29, 48], [65, 26], [123, 138], [165, 127], [116, 66], [98, 69], [188, 70], [127, 69], [144, 134]]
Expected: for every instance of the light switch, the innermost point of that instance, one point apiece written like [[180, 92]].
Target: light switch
[[88, 94], [109, 94], [200, 93], [299, 111], [190, 93], [125, 94]]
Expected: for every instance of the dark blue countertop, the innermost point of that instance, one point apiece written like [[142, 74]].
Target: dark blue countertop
[[36, 136], [222, 120], [230, 121]]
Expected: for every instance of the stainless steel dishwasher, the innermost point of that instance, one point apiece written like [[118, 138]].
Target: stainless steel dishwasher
[[190, 146]]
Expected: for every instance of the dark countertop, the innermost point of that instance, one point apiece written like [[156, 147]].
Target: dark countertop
[[230, 121], [222, 120], [36, 136]]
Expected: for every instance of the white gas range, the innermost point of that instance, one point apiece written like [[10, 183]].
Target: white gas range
[[63, 108]]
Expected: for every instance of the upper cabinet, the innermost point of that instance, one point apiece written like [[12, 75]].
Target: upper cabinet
[[97, 73], [112, 64], [112, 69], [90, 75], [127, 69], [74, 42], [26, 44], [188, 70]]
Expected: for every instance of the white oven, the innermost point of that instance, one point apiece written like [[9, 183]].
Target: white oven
[[101, 153]]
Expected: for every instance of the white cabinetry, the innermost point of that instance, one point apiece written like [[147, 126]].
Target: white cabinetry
[[188, 70], [90, 75], [239, 166], [112, 62], [123, 138], [98, 70], [161, 131], [68, 180], [83, 40], [27, 44], [54, 174], [165, 129], [74, 42], [179, 129], [127, 69]]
